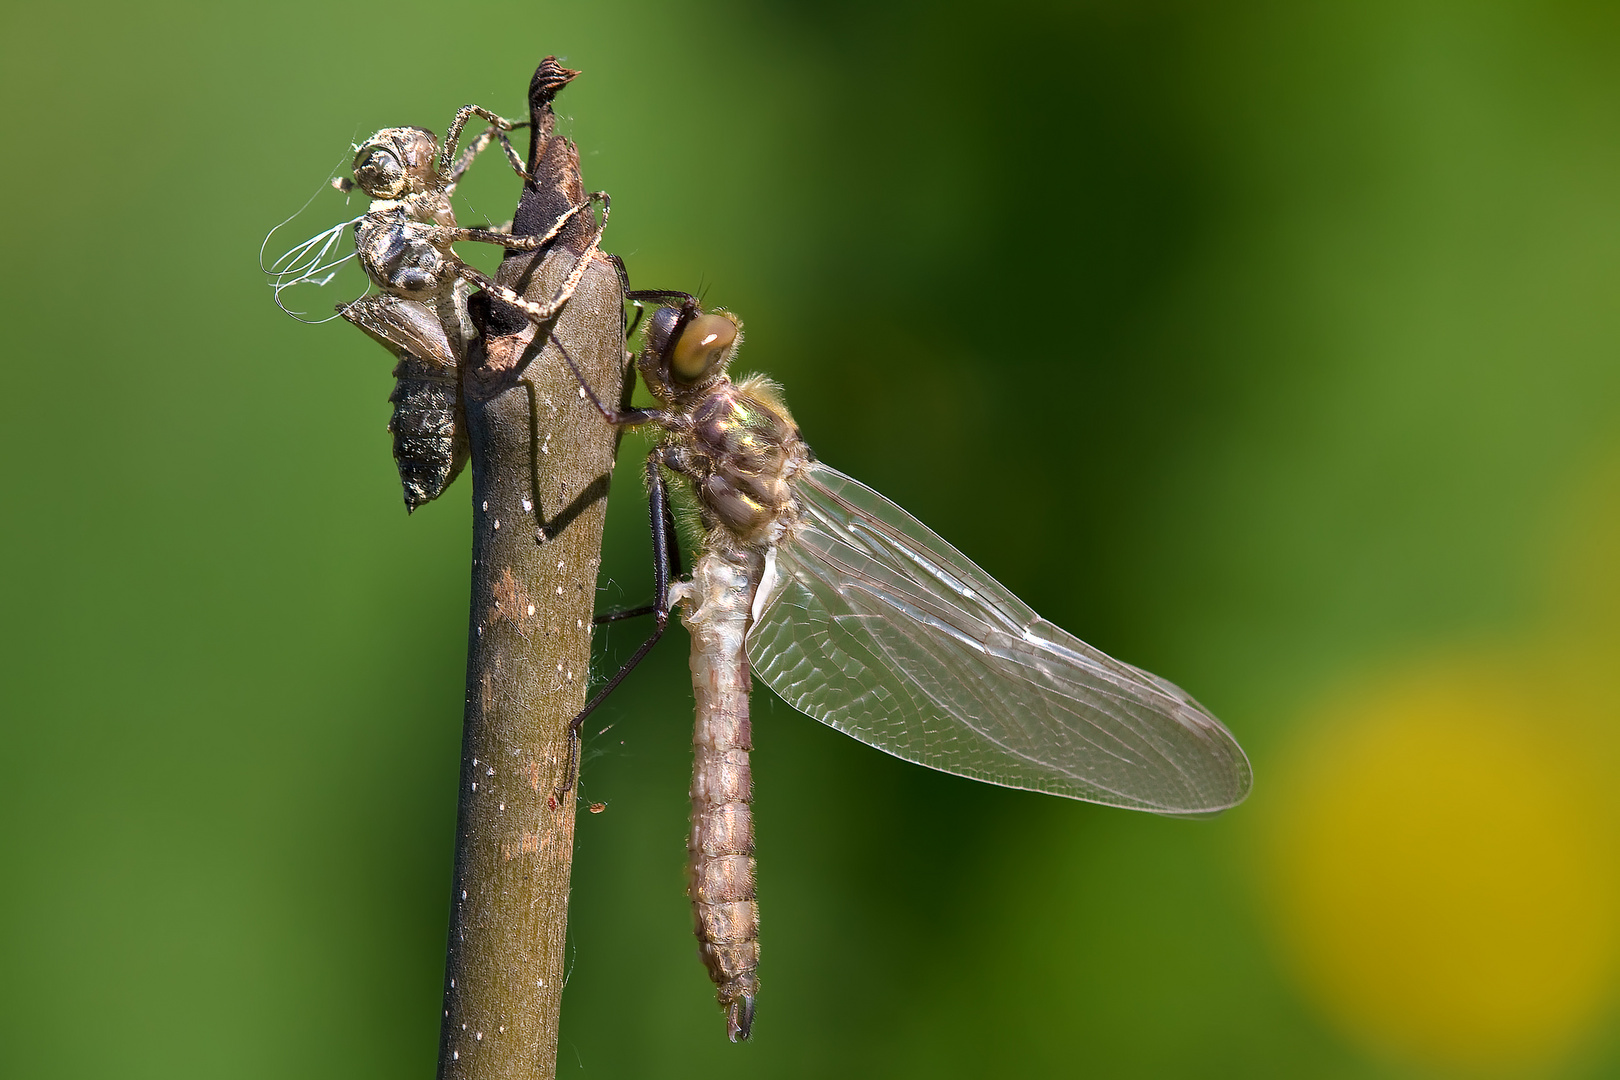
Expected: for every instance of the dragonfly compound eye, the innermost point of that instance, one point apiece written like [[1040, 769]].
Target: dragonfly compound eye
[[704, 342], [379, 172]]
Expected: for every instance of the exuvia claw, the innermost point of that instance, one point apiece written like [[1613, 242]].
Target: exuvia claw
[[740, 1018]]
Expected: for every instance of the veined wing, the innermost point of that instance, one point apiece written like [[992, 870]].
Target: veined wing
[[403, 325], [872, 624]]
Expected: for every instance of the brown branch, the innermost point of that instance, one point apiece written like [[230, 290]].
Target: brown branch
[[541, 460]]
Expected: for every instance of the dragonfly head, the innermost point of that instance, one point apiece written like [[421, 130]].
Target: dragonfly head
[[687, 348], [396, 162]]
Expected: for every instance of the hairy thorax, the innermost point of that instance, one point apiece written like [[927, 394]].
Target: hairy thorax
[[740, 452], [401, 248]]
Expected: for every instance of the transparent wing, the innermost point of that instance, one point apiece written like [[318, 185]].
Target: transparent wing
[[869, 622]]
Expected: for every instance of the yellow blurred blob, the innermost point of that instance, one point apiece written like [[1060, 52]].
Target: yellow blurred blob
[[1444, 861]]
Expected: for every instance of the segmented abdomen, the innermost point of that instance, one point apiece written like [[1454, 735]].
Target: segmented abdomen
[[715, 608], [430, 437], [429, 428]]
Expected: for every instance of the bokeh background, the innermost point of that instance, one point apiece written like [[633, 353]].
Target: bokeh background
[[1270, 346]]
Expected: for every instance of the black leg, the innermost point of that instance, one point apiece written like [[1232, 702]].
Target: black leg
[[624, 284], [672, 536], [675, 563], [627, 418], [663, 537], [627, 613], [661, 295], [624, 275]]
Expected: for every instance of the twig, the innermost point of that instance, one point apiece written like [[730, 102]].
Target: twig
[[541, 460]]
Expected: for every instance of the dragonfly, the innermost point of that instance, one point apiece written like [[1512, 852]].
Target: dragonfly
[[857, 614], [403, 242]]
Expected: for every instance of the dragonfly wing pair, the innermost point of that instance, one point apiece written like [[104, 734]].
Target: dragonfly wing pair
[[869, 622]]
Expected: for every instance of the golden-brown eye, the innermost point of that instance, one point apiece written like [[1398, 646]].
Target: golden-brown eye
[[379, 172], [702, 344]]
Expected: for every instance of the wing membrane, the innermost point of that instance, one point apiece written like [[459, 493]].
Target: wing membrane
[[872, 624]]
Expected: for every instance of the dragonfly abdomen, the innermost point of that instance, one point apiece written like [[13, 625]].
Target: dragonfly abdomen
[[715, 607]]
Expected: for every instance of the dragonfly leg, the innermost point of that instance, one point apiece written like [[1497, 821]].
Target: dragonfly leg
[[635, 300], [675, 564], [661, 294], [626, 613], [624, 275], [664, 544], [624, 418]]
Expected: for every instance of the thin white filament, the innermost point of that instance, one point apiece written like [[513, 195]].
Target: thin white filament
[[310, 263]]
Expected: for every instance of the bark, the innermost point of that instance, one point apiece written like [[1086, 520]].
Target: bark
[[541, 460]]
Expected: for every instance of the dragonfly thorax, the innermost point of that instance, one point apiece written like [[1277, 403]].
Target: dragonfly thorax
[[401, 248], [740, 449]]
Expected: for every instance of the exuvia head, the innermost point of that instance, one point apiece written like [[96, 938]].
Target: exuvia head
[[396, 162], [687, 348]]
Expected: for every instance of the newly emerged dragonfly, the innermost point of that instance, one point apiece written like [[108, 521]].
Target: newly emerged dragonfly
[[403, 242], [854, 612]]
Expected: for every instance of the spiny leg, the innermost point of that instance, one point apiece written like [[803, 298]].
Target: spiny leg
[[500, 124], [539, 314], [463, 163], [664, 542], [477, 147], [502, 234]]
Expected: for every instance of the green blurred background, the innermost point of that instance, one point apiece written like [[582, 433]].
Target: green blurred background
[[1270, 346]]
